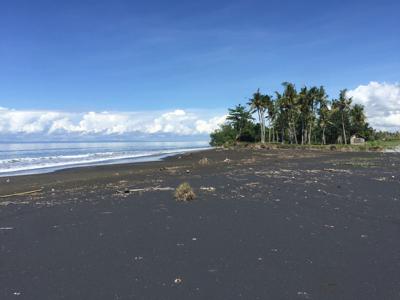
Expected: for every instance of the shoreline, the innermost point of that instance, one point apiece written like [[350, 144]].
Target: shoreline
[[106, 162], [159, 157]]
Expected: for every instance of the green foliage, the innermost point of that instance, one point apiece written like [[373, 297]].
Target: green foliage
[[224, 135], [260, 103], [239, 117], [304, 117]]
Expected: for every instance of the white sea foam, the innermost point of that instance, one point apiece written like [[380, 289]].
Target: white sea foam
[[16, 162]]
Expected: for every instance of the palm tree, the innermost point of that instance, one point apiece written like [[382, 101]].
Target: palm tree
[[314, 94], [272, 114], [343, 105], [239, 117], [358, 120], [290, 101], [259, 104], [304, 106], [319, 98], [281, 115], [324, 116]]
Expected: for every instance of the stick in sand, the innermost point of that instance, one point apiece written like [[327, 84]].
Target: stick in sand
[[21, 194]]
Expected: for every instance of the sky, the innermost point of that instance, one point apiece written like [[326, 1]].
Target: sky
[[174, 67]]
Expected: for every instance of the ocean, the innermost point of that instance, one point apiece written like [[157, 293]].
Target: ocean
[[34, 158]]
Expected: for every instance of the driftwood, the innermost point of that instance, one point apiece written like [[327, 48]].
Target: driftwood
[[148, 189], [21, 193], [207, 188]]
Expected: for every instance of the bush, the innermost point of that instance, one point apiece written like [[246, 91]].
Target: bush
[[227, 135], [224, 135], [184, 192]]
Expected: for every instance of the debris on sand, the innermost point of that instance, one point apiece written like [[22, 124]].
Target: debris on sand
[[6, 203], [329, 226], [338, 171], [178, 280], [304, 295], [175, 169], [204, 161], [249, 160], [252, 184], [6, 228], [184, 192], [207, 188], [147, 189], [21, 193]]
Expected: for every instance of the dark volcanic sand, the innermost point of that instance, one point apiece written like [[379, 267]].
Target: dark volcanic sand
[[280, 225]]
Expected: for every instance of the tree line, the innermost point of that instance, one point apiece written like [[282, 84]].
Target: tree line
[[305, 116]]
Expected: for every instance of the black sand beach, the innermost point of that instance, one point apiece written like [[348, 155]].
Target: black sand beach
[[266, 224]]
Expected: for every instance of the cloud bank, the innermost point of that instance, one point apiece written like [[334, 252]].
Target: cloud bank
[[382, 104], [52, 123], [381, 101]]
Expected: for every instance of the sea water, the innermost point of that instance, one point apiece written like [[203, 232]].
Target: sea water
[[32, 158]]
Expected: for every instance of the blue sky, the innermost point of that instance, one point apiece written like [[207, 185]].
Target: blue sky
[[140, 55], [98, 55]]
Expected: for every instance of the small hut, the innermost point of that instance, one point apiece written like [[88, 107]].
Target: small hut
[[354, 140]]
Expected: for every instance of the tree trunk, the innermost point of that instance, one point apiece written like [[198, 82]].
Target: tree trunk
[[309, 134], [294, 132], [344, 131], [323, 136], [269, 134], [262, 125]]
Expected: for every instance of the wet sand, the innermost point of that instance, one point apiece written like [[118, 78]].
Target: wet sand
[[266, 224]]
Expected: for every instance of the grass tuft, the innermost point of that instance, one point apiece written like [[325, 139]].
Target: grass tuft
[[184, 192]]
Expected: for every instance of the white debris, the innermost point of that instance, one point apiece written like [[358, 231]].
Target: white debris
[[178, 280], [329, 226], [303, 294], [207, 188], [6, 228]]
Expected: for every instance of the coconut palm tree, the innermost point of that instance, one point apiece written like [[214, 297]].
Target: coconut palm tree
[[281, 115], [324, 116], [272, 115], [304, 106], [259, 104], [358, 120], [290, 101], [319, 97], [343, 105]]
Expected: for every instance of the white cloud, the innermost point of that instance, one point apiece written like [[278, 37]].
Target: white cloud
[[382, 104], [178, 122], [210, 125]]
